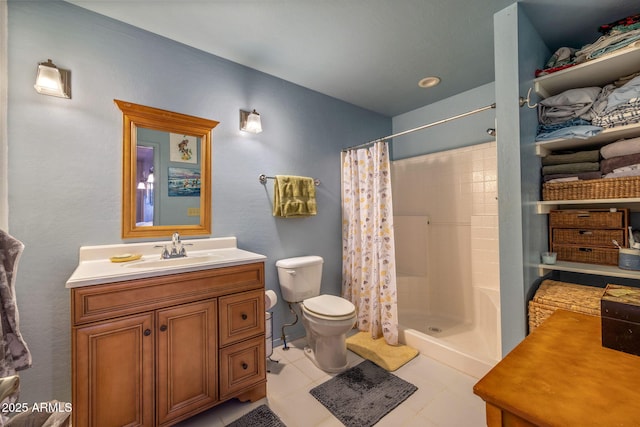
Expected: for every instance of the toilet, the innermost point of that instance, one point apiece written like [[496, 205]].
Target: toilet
[[326, 318]]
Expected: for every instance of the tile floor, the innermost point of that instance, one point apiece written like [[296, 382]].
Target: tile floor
[[444, 397]]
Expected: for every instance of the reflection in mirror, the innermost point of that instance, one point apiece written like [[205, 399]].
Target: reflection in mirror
[[166, 173], [172, 195], [145, 179]]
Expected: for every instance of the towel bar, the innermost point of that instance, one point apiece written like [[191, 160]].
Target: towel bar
[[263, 179]]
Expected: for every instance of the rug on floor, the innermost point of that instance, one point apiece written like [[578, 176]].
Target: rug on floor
[[362, 395], [389, 357], [262, 416]]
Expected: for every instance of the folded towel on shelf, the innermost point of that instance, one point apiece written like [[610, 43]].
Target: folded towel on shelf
[[623, 114], [609, 165], [626, 93], [294, 196], [633, 167], [622, 174], [579, 132], [625, 79], [582, 176], [623, 147], [570, 104], [568, 179], [571, 168], [577, 157]]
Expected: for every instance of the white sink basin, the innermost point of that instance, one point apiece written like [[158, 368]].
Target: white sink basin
[[95, 266], [174, 262]]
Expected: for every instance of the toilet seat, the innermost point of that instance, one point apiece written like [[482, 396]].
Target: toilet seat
[[329, 307]]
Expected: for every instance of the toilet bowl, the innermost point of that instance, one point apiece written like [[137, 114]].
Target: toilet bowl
[[327, 319]]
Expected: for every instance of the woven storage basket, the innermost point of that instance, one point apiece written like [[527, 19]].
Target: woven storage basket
[[575, 236], [605, 188], [591, 218], [589, 255], [552, 295]]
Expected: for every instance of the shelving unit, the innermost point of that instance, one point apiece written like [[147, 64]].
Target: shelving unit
[[607, 135], [544, 207], [595, 269], [597, 72]]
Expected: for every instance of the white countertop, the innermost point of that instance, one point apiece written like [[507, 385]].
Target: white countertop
[[95, 267]]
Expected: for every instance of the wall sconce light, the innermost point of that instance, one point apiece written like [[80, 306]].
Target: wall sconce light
[[52, 80], [250, 121]]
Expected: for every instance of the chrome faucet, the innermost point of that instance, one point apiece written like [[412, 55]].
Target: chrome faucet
[[177, 248]]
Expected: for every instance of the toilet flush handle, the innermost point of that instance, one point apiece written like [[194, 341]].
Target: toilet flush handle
[[291, 272]]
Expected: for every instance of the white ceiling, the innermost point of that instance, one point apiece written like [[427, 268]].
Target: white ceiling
[[371, 53]]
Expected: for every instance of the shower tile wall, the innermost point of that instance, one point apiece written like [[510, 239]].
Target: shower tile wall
[[440, 264]]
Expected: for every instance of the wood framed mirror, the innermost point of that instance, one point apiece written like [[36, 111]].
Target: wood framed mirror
[[166, 172]]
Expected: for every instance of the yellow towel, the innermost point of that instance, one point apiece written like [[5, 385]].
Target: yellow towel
[[389, 357], [294, 196]]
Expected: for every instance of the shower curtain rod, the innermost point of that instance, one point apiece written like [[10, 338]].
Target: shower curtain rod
[[439, 122]]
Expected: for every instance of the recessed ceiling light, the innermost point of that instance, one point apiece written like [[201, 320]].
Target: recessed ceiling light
[[429, 82]]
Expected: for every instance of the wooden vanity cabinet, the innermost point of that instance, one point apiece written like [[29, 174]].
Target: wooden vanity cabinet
[[113, 373], [186, 360], [155, 351]]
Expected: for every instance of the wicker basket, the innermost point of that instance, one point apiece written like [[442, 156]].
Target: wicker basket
[[589, 255], [575, 236], [588, 218], [552, 295], [605, 188]]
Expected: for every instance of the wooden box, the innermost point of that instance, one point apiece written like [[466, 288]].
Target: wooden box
[[620, 309]]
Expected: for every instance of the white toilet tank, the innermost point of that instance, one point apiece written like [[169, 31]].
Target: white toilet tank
[[300, 277]]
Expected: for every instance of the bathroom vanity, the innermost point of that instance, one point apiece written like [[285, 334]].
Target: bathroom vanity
[[156, 343]]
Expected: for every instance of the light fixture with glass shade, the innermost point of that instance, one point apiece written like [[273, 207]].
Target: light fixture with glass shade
[[250, 121], [52, 80]]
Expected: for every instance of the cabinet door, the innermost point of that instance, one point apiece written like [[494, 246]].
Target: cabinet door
[[187, 360], [113, 372]]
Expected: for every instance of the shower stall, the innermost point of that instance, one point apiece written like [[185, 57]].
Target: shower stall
[[446, 236]]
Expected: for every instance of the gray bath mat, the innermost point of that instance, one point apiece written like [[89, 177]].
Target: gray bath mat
[[262, 416], [362, 395]]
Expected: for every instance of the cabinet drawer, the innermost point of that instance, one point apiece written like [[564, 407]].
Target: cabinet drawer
[[589, 255], [241, 316], [597, 218], [588, 237], [242, 365]]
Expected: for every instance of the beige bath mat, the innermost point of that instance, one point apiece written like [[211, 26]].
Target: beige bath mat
[[386, 356]]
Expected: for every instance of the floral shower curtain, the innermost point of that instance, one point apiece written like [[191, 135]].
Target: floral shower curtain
[[368, 253]]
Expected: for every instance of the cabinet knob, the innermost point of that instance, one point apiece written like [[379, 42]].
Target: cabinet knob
[[244, 366], [147, 332], [163, 328], [244, 316]]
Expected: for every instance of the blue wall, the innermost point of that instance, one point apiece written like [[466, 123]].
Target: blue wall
[[469, 130], [65, 160]]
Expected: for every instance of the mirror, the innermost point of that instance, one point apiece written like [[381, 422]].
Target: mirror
[[166, 173]]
